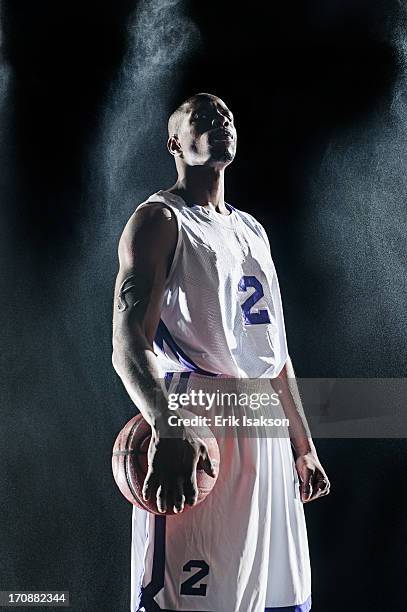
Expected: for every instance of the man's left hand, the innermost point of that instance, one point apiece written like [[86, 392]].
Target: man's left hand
[[314, 482]]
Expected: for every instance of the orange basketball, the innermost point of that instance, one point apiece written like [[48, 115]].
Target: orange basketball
[[130, 463]]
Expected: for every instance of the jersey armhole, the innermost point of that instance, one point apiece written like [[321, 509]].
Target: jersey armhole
[[179, 237]]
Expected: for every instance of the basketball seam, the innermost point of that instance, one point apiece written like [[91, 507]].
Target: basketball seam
[[126, 467]]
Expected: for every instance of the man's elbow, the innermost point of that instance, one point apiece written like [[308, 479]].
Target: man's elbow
[[118, 353], [119, 345], [126, 352]]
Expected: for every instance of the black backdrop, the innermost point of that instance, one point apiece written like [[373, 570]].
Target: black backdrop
[[319, 93]]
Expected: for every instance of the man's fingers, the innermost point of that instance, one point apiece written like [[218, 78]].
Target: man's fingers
[[179, 504], [306, 491], [172, 476], [191, 493], [207, 463], [190, 484], [149, 486], [321, 487], [306, 484], [188, 492], [179, 497], [168, 495], [191, 489], [162, 498]]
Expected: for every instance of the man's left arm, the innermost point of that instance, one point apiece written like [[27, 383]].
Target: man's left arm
[[314, 481]]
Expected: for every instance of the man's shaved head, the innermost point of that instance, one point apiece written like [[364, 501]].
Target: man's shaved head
[[201, 132], [177, 116]]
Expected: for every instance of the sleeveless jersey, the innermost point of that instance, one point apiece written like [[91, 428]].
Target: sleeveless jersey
[[244, 548], [222, 311]]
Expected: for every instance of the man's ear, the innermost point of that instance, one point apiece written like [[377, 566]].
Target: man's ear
[[174, 146]]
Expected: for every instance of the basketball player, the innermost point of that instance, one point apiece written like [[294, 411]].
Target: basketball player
[[197, 299]]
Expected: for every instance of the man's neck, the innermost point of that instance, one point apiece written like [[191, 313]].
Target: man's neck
[[202, 186]]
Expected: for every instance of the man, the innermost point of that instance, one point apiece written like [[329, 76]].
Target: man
[[197, 301]]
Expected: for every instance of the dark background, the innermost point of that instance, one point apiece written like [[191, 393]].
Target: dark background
[[319, 93]]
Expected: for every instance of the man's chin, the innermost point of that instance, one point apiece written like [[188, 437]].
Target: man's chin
[[222, 157]]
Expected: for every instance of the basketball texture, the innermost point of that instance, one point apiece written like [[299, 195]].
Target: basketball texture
[[130, 463]]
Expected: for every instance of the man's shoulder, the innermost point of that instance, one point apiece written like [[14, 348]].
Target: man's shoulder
[[151, 219], [155, 208]]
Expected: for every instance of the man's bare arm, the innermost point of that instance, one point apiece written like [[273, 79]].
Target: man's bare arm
[[314, 481], [146, 250]]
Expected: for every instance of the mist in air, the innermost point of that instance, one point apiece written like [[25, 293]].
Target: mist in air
[[130, 157], [85, 92], [353, 226], [62, 403]]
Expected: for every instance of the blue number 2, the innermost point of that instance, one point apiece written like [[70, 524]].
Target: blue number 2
[[253, 318], [188, 587]]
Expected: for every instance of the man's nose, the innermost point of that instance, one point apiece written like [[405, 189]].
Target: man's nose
[[220, 121]]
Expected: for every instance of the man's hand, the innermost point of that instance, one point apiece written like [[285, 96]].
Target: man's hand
[[314, 482], [172, 463]]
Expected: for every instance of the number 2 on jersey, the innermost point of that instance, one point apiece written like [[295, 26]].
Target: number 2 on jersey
[[190, 586], [253, 318]]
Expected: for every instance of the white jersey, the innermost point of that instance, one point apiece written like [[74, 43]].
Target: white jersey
[[244, 549], [222, 308]]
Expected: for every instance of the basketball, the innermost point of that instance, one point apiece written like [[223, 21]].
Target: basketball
[[130, 464]]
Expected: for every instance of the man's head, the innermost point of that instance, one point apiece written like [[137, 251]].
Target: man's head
[[202, 133]]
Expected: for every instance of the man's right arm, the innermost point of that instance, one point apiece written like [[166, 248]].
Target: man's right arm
[[146, 250]]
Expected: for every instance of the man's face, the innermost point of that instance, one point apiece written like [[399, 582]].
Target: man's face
[[207, 135]]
